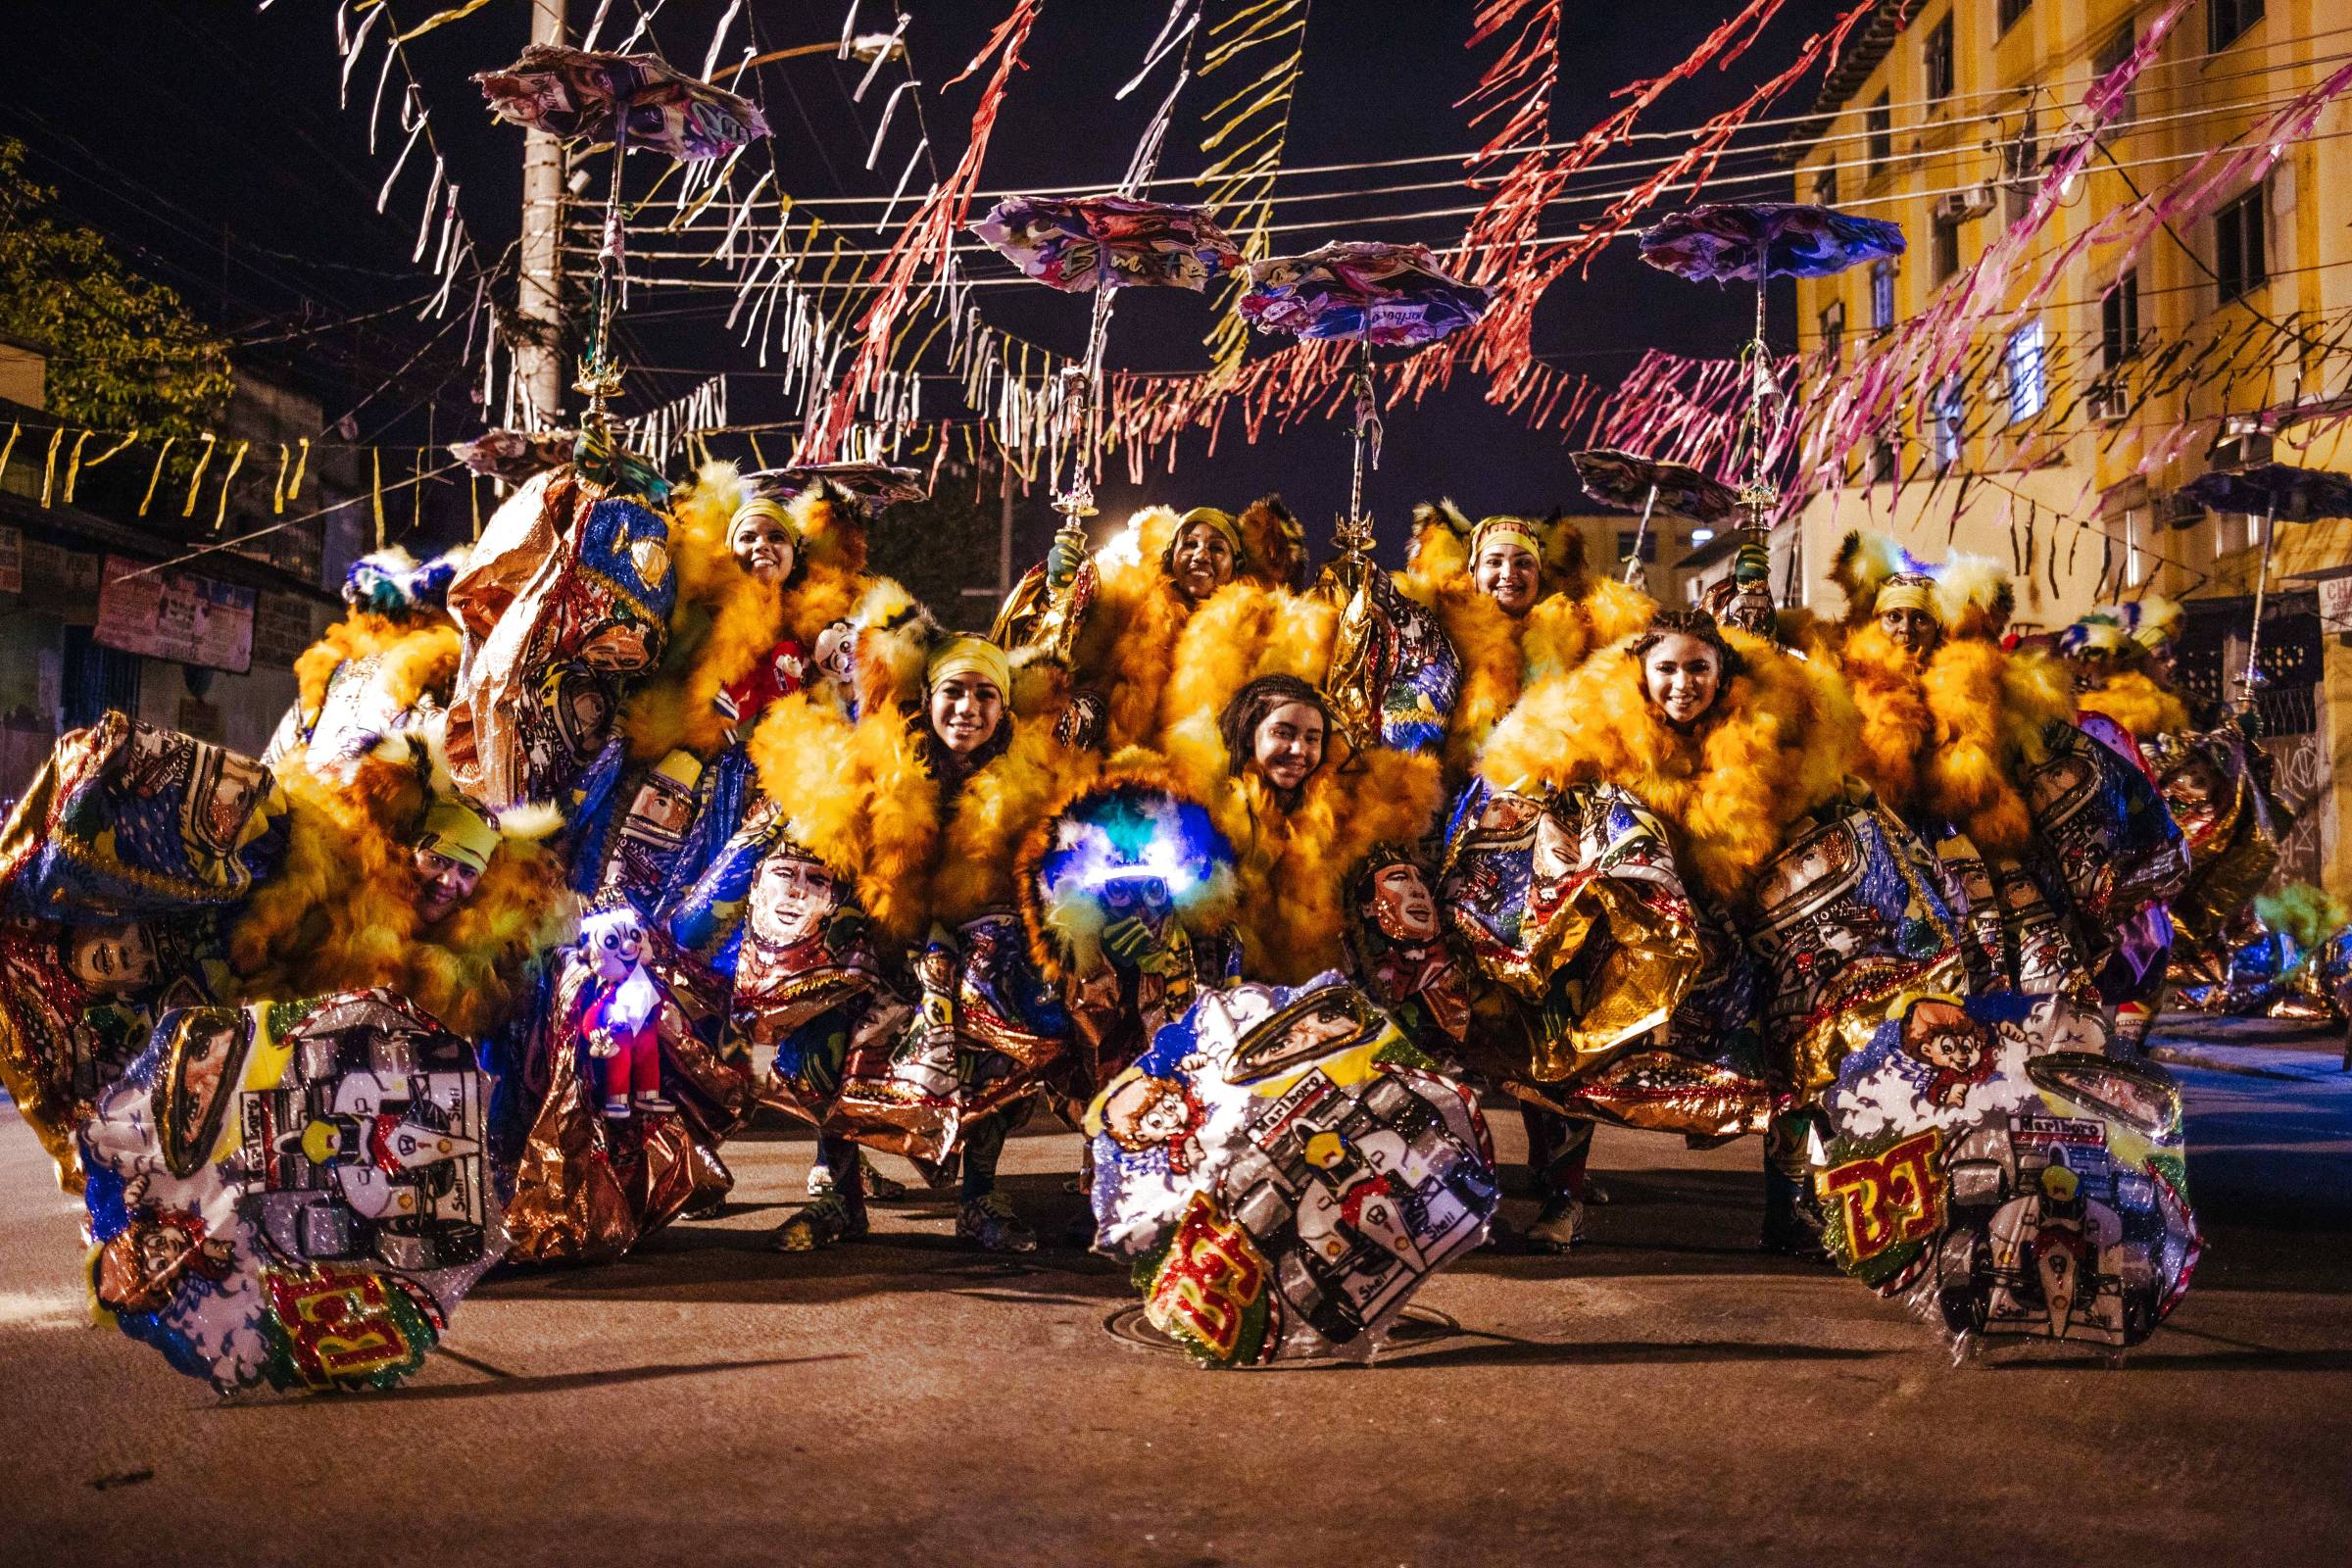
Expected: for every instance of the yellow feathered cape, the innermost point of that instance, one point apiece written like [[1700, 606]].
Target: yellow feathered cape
[[1951, 737], [340, 915], [1777, 745], [861, 797], [416, 657], [2135, 700]]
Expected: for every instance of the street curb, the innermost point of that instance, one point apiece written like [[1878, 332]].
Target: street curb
[[2191, 1058]]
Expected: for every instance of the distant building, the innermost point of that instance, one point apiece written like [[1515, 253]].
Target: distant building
[[1944, 124]]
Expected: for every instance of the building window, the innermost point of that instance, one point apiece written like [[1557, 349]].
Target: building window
[[2238, 263], [1937, 58], [2226, 22], [1825, 183], [2021, 158], [2111, 58], [2118, 321], [1948, 250], [1885, 460], [1833, 330], [2023, 370], [1650, 543], [1878, 120], [1943, 424], [2011, 9], [1882, 296]]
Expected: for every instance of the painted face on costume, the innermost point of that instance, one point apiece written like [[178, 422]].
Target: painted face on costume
[[1140, 897], [110, 959], [1401, 904], [1912, 630], [442, 884], [1683, 676], [1507, 573], [965, 710], [1203, 560], [1288, 746], [792, 899], [762, 547], [615, 947]]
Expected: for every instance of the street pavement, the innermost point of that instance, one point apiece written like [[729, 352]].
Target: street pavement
[[1664, 1395]]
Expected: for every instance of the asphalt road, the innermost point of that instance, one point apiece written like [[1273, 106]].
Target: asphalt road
[[1664, 1395]]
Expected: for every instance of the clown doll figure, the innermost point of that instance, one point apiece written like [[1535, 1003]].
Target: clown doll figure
[[619, 1026]]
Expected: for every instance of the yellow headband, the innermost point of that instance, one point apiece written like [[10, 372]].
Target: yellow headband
[[763, 507], [457, 830], [970, 656], [1518, 531], [1222, 522], [1906, 591]]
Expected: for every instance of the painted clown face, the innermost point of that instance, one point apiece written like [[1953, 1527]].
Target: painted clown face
[[790, 899], [1401, 905], [614, 946]]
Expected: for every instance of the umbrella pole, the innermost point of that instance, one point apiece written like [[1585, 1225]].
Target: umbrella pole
[[1633, 565], [598, 380], [2262, 584], [1354, 535]]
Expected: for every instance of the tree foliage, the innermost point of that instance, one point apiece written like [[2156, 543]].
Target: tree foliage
[[124, 353]]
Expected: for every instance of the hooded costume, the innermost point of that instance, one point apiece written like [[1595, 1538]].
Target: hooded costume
[[394, 654], [1575, 612]]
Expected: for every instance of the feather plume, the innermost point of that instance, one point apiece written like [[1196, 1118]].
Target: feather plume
[[2133, 700], [1863, 564]]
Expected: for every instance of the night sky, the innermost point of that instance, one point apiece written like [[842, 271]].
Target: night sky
[[204, 137]]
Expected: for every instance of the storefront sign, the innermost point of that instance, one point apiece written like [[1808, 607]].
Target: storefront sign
[[166, 614]]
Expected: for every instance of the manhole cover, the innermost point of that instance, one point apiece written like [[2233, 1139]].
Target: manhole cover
[[1415, 1326]]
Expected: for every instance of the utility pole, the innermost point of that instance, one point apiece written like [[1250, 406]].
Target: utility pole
[[539, 291]]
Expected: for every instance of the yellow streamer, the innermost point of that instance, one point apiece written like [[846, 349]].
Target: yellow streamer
[[15, 430], [375, 462], [278, 497], [236, 460], [473, 495], [416, 493], [74, 465], [302, 461], [210, 445], [456, 13], [49, 468], [157, 477], [108, 454]]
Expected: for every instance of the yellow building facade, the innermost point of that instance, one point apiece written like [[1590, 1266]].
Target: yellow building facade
[[2224, 339]]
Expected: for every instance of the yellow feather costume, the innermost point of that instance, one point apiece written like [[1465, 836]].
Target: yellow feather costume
[[416, 657], [861, 798], [1502, 656], [726, 620], [340, 915], [1777, 745], [2135, 700]]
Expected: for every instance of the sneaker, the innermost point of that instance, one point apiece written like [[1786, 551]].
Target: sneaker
[[1560, 1227], [616, 1108], [990, 1224], [878, 1185], [820, 1179], [828, 1220], [650, 1103]]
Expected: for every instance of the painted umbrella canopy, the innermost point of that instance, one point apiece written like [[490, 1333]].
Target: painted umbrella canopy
[[1625, 480], [514, 456], [2299, 495], [575, 93], [1079, 243], [876, 484], [1727, 241], [1363, 289]]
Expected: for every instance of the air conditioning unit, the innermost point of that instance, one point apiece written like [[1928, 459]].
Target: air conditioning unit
[[2180, 511], [2109, 404], [1959, 206]]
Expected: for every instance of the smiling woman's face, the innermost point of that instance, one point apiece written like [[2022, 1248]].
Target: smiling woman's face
[[1288, 743], [1682, 674], [1505, 573], [1203, 560], [762, 547], [965, 710]]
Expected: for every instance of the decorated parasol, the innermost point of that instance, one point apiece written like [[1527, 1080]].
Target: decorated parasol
[[1371, 292], [1756, 241], [878, 484], [631, 101], [2276, 491], [1629, 482], [513, 456], [1099, 244]]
